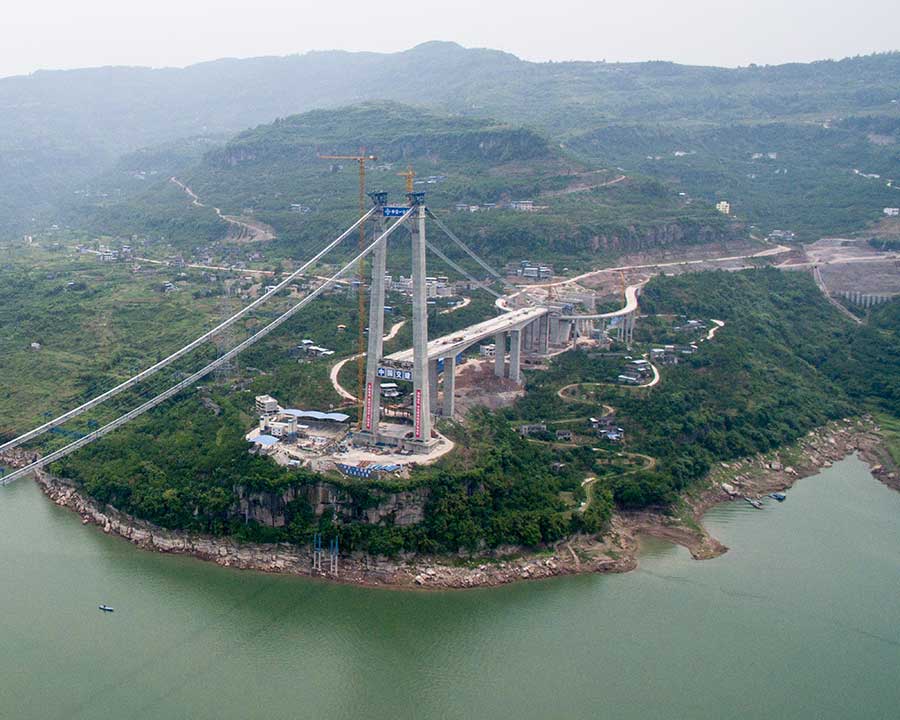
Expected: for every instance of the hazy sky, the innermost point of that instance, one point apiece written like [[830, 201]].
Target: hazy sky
[[79, 33]]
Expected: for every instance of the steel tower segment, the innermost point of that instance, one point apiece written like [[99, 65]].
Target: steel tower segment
[[187, 382], [144, 374]]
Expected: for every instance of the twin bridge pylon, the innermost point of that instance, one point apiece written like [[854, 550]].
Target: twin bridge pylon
[[417, 373], [526, 329]]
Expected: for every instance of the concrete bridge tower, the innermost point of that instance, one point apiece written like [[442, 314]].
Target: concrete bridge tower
[[421, 380], [375, 349]]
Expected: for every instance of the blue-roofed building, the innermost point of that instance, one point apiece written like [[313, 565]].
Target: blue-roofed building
[[337, 417], [264, 443]]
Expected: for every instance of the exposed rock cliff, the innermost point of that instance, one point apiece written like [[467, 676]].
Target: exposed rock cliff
[[373, 506]]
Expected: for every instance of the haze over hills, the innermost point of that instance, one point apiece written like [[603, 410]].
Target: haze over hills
[[58, 128]]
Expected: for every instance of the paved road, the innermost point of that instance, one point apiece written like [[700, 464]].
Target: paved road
[[456, 342], [712, 331], [336, 368]]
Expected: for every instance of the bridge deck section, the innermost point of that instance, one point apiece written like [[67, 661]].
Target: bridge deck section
[[454, 343]]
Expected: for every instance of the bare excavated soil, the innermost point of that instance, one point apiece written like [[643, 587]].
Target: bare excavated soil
[[477, 385]]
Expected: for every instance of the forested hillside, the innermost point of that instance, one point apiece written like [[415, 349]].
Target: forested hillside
[[814, 178], [274, 172], [785, 362], [59, 128]]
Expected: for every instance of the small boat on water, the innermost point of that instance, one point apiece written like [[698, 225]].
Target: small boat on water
[[106, 608], [780, 497], [755, 503]]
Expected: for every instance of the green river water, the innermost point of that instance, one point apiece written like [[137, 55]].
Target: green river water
[[800, 619]]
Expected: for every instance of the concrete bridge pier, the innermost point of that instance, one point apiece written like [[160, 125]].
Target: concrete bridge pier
[[543, 335], [433, 384], [500, 354], [528, 338], [515, 355], [372, 394], [553, 328], [449, 386], [421, 379]]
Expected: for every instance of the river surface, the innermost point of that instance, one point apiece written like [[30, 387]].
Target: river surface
[[800, 619]]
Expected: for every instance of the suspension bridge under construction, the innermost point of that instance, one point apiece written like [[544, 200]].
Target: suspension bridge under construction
[[525, 324]]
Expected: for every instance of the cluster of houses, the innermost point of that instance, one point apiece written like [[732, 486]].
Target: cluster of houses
[[780, 236], [311, 429], [530, 429], [635, 372], [308, 348], [105, 253], [671, 354], [435, 287], [605, 427], [517, 205], [529, 270]]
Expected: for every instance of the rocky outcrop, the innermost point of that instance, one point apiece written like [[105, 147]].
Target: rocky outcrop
[[273, 509], [633, 239]]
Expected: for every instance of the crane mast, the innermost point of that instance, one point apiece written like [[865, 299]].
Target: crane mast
[[360, 275]]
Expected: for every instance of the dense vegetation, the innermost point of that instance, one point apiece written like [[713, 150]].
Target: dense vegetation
[[791, 175], [780, 143], [784, 363]]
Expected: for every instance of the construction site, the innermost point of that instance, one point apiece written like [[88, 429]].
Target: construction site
[[388, 420], [403, 394]]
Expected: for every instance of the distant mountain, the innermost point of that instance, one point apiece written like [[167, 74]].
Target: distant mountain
[[59, 127]]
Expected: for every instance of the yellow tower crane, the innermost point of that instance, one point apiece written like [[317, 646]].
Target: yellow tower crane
[[410, 175], [360, 160]]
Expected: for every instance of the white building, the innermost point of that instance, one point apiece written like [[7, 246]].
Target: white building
[[892, 212], [266, 405], [724, 207]]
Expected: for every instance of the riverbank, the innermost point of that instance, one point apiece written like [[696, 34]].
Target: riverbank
[[755, 477], [617, 552]]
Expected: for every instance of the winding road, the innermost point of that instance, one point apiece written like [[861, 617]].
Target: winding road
[[249, 231], [336, 368]]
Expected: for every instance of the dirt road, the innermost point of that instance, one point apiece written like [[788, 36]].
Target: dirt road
[[247, 230]]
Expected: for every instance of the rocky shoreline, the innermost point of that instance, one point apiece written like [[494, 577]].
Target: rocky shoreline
[[617, 552], [759, 475]]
